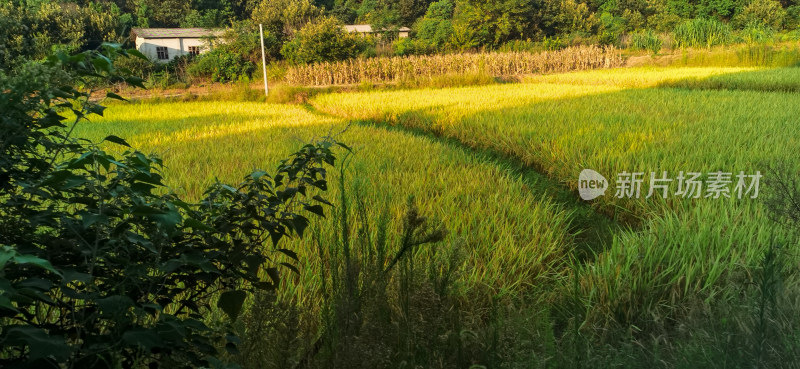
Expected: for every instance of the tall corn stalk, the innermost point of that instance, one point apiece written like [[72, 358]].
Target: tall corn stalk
[[498, 64]]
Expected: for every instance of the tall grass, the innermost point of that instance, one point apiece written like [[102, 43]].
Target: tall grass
[[646, 40], [702, 32], [751, 55], [396, 69]]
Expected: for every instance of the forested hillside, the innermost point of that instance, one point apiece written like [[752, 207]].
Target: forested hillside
[[32, 28]]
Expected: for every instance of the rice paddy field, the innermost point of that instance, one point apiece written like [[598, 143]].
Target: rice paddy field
[[498, 166]]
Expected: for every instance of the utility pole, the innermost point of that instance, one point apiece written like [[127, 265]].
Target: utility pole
[[263, 59]]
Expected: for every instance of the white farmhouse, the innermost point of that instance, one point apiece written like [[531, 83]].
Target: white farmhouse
[[366, 29], [164, 44]]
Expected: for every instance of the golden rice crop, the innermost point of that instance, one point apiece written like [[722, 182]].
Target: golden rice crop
[[395, 69], [486, 208]]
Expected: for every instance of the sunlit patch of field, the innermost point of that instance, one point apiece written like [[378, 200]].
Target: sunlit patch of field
[[634, 77]]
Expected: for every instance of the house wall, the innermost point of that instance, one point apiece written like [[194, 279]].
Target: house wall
[[175, 46]]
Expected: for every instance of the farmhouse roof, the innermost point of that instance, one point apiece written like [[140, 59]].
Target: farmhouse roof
[[176, 32], [367, 28]]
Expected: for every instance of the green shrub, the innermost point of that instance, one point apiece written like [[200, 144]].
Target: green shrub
[[323, 40], [792, 20], [406, 46], [553, 43], [435, 28], [702, 32], [100, 265], [141, 67], [610, 29], [546, 44], [221, 65], [768, 13], [756, 34]]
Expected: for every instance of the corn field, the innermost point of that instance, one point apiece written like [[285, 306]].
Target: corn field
[[395, 69]]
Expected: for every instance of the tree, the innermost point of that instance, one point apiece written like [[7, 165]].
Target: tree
[[720, 9], [208, 18], [323, 40], [60, 26], [344, 11], [284, 17], [408, 11], [167, 13], [14, 24], [435, 29], [767, 13], [381, 14], [568, 16], [495, 22]]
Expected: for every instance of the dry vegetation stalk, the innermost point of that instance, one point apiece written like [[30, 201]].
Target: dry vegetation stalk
[[395, 69]]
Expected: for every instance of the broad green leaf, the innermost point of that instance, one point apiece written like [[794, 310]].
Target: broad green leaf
[[117, 140], [40, 343], [33, 260], [289, 253], [231, 302], [196, 224], [142, 337]]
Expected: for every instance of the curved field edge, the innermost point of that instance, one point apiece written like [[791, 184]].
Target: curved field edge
[[685, 248]]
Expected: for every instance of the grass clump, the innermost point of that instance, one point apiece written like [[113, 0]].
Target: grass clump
[[702, 32], [646, 40]]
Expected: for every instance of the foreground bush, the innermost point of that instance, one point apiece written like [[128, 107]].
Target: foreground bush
[[100, 265]]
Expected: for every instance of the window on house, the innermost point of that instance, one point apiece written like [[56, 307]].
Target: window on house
[[161, 52], [194, 50]]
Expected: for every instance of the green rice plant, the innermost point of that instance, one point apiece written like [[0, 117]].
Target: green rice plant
[[448, 80], [702, 32], [764, 80], [228, 139], [678, 251]]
